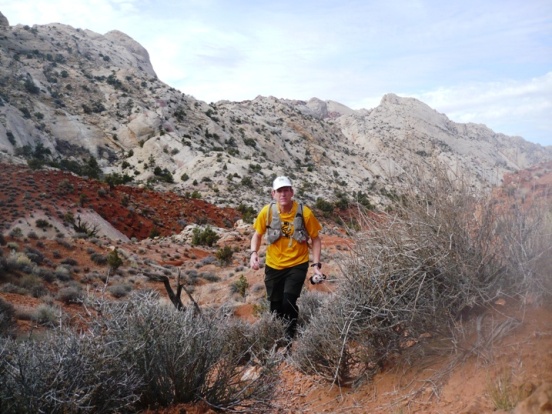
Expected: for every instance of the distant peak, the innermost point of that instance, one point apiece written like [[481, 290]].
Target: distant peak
[[4, 21]]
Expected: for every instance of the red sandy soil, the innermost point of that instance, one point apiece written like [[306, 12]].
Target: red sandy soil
[[457, 381]]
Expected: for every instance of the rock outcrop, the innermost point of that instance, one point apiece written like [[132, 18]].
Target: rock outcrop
[[71, 94], [4, 23]]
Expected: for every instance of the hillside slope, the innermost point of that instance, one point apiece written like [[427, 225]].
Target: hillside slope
[[70, 94]]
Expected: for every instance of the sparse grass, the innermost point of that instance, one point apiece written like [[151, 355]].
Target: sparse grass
[[502, 393]]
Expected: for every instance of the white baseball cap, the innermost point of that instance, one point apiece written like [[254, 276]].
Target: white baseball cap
[[280, 182]]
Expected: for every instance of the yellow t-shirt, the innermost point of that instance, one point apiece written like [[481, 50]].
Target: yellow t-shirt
[[280, 254]]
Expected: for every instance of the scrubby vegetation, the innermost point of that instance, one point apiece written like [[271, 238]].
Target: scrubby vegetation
[[444, 254], [141, 354]]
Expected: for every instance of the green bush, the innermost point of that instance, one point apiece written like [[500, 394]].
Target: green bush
[[225, 255], [154, 232], [240, 286], [113, 260], [324, 205], [163, 175], [248, 213], [42, 224], [205, 237]]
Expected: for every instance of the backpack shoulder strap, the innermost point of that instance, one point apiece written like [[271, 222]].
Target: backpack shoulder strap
[[272, 210], [299, 209]]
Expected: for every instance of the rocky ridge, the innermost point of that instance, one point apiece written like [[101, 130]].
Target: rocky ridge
[[80, 94]]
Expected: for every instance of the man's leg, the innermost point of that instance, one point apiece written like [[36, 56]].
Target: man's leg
[[276, 307], [293, 285], [290, 314]]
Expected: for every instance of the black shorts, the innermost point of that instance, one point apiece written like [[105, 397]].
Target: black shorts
[[288, 280]]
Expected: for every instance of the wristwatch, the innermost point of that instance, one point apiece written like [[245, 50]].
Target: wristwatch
[[318, 265]]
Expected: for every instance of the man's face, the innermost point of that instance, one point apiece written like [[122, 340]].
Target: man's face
[[283, 195]]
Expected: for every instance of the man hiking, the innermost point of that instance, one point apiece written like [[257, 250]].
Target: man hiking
[[288, 225]]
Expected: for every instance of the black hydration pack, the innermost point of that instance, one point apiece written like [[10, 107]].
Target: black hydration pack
[[274, 225]]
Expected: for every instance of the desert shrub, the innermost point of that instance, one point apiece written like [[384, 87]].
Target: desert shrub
[[113, 260], [63, 372], [34, 255], [182, 357], [63, 273], [204, 237], [69, 261], [7, 318], [12, 288], [46, 274], [224, 255], [47, 315], [261, 308], [324, 205], [99, 258], [120, 290], [13, 246], [62, 242], [248, 213], [210, 277], [32, 284], [309, 303], [38, 291], [154, 232], [65, 187], [19, 261], [240, 286], [445, 250], [42, 224], [82, 228], [3, 264], [207, 260], [16, 233], [70, 294]]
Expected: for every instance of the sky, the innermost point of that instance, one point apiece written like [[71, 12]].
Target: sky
[[482, 61]]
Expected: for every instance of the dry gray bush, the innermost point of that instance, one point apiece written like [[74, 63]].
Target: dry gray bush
[[63, 372], [444, 251], [7, 318], [141, 354], [184, 357]]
